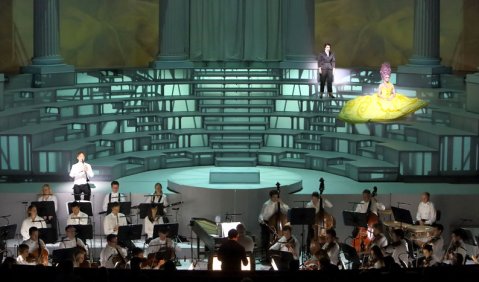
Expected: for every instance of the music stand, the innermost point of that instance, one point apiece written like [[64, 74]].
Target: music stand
[[59, 255], [356, 219], [45, 208], [129, 232], [144, 208], [281, 259], [48, 235], [85, 207], [7, 232], [84, 231], [125, 208], [170, 228], [402, 215], [302, 216]]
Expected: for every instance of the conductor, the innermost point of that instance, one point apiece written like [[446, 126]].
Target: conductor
[[231, 253]]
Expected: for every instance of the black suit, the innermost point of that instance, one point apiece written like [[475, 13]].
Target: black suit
[[327, 64], [231, 254]]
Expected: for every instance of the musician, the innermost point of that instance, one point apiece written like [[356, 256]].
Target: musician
[[81, 172], [71, 241], [46, 195], [160, 243], [426, 213], [379, 239], [231, 253], [112, 252], [137, 255], [151, 220], [270, 207], [79, 256], [77, 217], [158, 198], [22, 258], [288, 243], [33, 220], [36, 246], [331, 246], [369, 204], [114, 195], [457, 246], [428, 259], [436, 241], [398, 249], [243, 239], [314, 203], [114, 220], [376, 258]]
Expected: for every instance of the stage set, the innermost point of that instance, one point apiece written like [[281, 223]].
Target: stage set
[[222, 116]]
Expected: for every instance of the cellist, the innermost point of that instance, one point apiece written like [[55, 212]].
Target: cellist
[[270, 208]]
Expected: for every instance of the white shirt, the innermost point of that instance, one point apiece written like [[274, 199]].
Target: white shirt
[[111, 198], [22, 261], [33, 245], [150, 226], [157, 244], [399, 253], [68, 243], [426, 211], [326, 204], [111, 221], [79, 175], [38, 222], [280, 245], [49, 198], [381, 241], [80, 219], [270, 208], [247, 242], [333, 252], [107, 254], [362, 207], [157, 200]]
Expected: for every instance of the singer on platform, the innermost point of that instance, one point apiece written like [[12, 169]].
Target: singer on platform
[[81, 173]]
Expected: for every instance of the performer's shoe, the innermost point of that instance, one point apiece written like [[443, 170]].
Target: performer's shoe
[[321, 96], [331, 95]]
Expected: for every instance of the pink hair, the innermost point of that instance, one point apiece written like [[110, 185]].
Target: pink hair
[[385, 70]]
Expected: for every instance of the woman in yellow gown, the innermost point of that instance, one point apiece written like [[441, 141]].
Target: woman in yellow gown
[[384, 105]]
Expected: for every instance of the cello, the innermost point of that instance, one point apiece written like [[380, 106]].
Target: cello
[[278, 219], [365, 234]]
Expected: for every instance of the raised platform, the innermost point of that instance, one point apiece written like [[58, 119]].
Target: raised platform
[[239, 175]]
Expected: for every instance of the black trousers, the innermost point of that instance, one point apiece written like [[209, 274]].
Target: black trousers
[[79, 189], [265, 239], [326, 76]]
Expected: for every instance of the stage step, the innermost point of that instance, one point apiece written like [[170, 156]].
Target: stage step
[[235, 161]]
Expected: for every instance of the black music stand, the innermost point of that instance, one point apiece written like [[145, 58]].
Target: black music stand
[[281, 259], [59, 255], [302, 216], [7, 232], [144, 209], [85, 207], [45, 208], [125, 208], [170, 228], [84, 231], [402, 215], [48, 235], [129, 232], [356, 219]]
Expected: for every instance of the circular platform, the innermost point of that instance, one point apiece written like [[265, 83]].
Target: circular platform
[[234, 178]]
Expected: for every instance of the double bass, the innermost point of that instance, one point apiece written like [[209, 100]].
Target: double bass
[[364, 236], [278, 219], [322, 222], [39, 256]]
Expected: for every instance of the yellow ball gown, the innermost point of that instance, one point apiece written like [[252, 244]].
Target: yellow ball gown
[[373, 108]]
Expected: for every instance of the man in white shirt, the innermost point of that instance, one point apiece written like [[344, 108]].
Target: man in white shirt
[[112, 253], [162, 242], [331, 246], [114, 196], [398, 249], [114, 220], [315, 203], [288, 243], [436, 241], [77, 217], [23, 254], [369, 203], [243, 239], [71, 241], [81, 173], [426, 213], [270, 207], [32, 220], [34, 243]]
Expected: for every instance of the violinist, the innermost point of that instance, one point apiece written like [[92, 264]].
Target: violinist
[[288, 243], [331, 246], [71, 241], [398, 249], [137, 255], [22, 258], [320, 261], [162, 244], [114, 220], [379, 239], [369, 204], [376, 259], [436, 241], [37, 250], [426, 213], [457, 246], [270, 208], [79, 258], [428, 259], [112, 253]]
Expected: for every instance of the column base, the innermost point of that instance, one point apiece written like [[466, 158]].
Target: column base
[[427, 76], [48, 69], [51, 75], [472, 93]]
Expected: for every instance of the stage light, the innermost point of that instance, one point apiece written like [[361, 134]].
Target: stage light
[[215, 264]]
